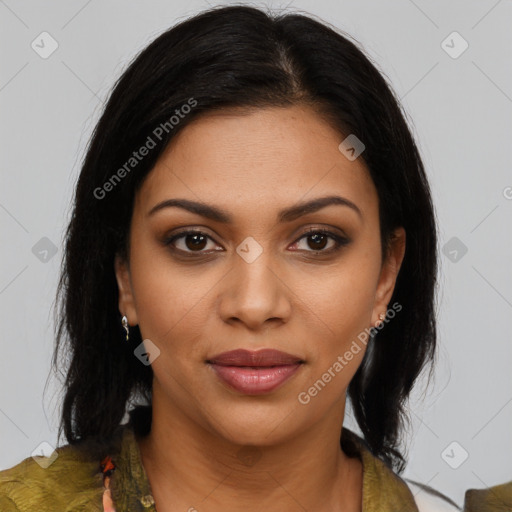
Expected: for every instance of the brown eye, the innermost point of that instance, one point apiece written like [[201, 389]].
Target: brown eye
[[189, 241], [318, 240], [195, 241]]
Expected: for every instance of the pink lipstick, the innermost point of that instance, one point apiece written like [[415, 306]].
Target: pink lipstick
[[255, 372]]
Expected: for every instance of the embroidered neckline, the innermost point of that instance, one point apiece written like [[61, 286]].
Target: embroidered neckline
[[107, 467], [129, 454]]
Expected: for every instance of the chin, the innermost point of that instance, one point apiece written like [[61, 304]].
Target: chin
[[258, 426]]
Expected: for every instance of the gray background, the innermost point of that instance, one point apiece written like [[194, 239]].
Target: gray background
[[460, 112]]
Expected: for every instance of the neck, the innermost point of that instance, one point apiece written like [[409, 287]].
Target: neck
[[191, 467]]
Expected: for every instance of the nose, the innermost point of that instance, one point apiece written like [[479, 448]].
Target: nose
[[255, 294]]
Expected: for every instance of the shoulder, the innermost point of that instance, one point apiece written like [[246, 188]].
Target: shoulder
[[429, 500], [492, 499], [385, 490], [67, 480]]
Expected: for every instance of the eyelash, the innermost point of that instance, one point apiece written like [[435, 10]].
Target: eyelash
[[340, 241]]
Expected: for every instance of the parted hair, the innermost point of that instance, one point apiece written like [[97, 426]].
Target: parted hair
[[248, 58]]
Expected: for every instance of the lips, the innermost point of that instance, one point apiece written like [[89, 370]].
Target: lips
[[265, 357], [255, 372]]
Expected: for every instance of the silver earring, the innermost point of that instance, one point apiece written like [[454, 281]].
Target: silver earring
[[124, 321], [381, 318]]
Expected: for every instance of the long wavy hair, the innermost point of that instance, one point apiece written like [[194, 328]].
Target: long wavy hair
[[240, 56]]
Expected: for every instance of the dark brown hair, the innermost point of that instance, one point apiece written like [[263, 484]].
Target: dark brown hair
[[241, 56]]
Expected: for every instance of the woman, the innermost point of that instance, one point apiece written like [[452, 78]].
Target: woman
[[253, 241]]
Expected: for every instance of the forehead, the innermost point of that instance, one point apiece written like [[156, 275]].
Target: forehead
[[257, 159]]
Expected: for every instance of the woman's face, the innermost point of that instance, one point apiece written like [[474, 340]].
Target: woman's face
[[255, 278]]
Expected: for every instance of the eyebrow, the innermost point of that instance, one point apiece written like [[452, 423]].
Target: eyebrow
[[287, 215]]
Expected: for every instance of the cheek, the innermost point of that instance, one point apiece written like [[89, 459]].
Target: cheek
[[347, 294], [343, 311], [342, 308], [168, 298]]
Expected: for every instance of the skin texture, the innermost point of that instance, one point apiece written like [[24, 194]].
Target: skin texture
[[211, 447]]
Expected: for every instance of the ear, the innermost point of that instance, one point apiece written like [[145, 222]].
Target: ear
[[389, 274], [126, 298]]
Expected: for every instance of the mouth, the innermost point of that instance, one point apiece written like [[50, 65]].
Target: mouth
[[255, 372]]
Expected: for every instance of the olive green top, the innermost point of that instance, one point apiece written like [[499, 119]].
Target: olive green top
[[74, 482], [492, 499]]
